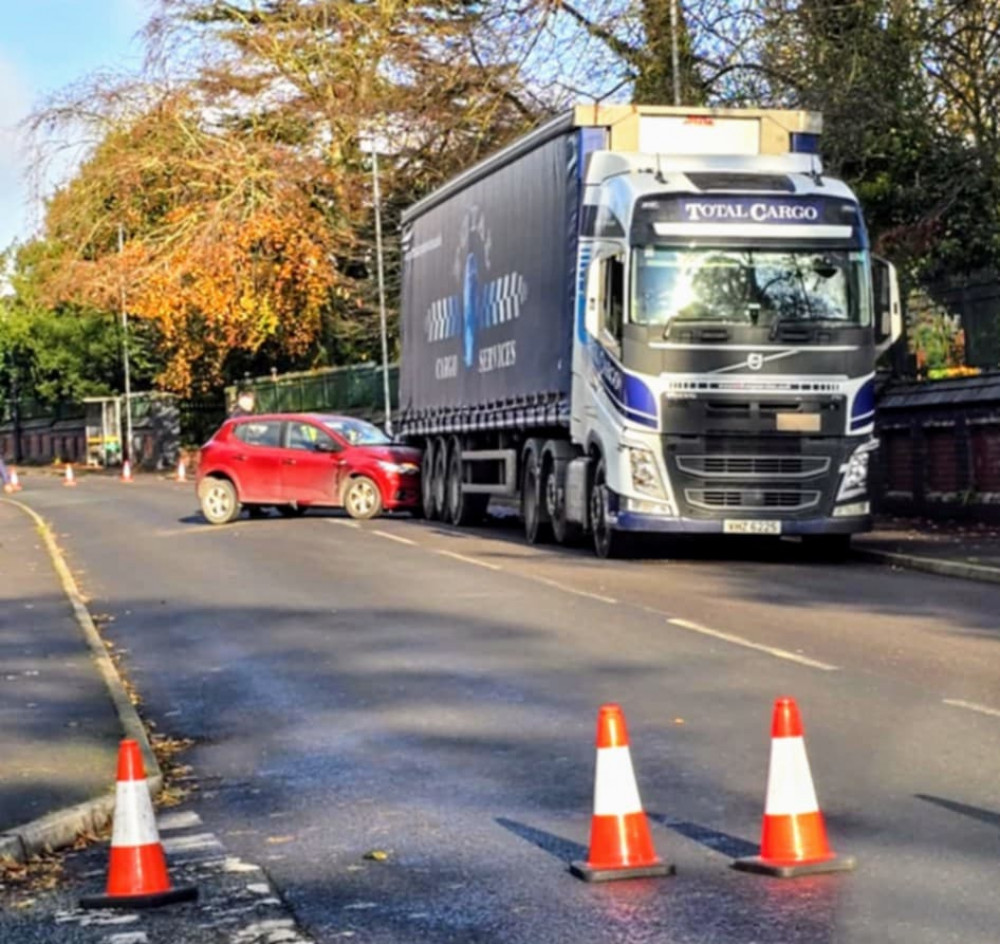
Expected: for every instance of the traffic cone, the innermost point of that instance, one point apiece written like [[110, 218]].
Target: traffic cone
[[127, 472], [15, 482], [620, 842], [137, 875], [181, 471], [70, 479], [793, 839]]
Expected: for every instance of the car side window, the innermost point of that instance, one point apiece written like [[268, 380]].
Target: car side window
[[259, 432], [310, 438]]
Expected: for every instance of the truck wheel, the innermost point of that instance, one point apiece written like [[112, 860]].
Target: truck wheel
[[608, 543], [536, 524], [219, 501], [462, 509], [428, 504], [554, 489], [439, 478]]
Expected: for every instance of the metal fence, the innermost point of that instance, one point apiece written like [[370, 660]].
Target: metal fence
[[355, 391]]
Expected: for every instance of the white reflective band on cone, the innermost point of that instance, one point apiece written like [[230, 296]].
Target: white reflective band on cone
[[615, 790], [789, 783], [134, 824]]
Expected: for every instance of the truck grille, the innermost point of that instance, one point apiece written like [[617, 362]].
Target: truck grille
[[753, 467], [752, 499]]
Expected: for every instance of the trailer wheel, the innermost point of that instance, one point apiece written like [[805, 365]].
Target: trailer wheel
[[439, 479], [428, 504], [608, 543], [462, 509], [536, 526], [554, 490]]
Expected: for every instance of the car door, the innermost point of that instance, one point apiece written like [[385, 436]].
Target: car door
[[311, 465], [256, 458]]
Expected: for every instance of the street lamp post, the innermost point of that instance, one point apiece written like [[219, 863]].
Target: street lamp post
[[127, 451], [387, 403]]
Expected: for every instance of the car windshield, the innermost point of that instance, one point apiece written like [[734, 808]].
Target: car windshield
[[748, 286], [356, 432]]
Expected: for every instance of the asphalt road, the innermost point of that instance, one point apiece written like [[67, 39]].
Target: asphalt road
[[403, 687]]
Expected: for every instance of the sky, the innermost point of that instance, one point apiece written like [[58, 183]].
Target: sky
[[46, 45]]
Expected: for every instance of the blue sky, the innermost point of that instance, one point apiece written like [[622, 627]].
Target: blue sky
[[46, 45]]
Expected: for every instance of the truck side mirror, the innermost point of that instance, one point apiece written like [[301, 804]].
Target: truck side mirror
[[595, 291], [888, 305]]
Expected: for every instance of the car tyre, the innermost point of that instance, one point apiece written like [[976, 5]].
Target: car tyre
[[218, 499], [362, 498]]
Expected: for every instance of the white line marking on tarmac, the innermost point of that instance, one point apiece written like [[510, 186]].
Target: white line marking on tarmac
[[972, 706], [469, 560], [185, 820], [747, 644], [573, 590], [196, 843], [344, 523], [129, 937], [395, 537]]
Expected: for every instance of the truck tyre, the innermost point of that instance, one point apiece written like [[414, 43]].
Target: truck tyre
[[554, 491], [427, 502], [439, 479], [608, 543], [536, 525], [462, 509], [219, 502]]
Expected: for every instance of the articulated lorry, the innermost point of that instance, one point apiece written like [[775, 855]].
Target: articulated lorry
[[647, 319]]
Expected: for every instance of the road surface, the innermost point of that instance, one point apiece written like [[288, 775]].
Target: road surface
[[404, 687]]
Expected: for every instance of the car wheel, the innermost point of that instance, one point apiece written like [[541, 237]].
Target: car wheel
[[291, 511], [536, 525], [608, 543], [219, 501], [427, 501], [554, 493], [362, 499]]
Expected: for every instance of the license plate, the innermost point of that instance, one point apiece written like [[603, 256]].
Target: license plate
[[751, 527]]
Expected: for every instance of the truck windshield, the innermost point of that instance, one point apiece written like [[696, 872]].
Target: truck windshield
[[750, 286]]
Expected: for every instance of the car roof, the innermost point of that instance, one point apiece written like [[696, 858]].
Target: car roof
[[282, 417]]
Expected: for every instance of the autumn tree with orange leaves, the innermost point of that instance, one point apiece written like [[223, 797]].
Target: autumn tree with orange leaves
[[242, 191]]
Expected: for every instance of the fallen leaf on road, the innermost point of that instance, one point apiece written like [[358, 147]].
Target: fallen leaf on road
[[278, 840], [377, 855]]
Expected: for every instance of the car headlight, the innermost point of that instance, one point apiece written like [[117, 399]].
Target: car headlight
[[855, 473], [645, 474], [400, 468]]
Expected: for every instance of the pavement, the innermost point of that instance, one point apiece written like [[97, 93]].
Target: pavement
[[953, 549], [59, 730], [403, 688]]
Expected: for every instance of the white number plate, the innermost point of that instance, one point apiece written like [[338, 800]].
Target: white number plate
[[740, 526]]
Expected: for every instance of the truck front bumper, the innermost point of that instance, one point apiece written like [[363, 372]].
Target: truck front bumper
[[635, 521]]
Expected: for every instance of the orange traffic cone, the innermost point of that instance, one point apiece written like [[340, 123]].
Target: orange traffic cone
[[70, 479], [620, 842], [181, 471], [127, 472], [137, 876], [15, 482], [793, 839]]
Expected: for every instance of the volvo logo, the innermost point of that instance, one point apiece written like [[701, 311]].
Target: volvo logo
[[755, 361]]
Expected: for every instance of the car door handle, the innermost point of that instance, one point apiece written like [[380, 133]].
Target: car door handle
[[288, 462], [240, 458]]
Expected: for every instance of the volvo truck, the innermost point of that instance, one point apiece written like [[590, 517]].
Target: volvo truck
[[647, 319]]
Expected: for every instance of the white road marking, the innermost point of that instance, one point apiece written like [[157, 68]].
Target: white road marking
[[469, 560], [395, 537], [573, 590], [344, 523], [185, 820], [128, 937], [196, 843], [972, 706], [747, 644]]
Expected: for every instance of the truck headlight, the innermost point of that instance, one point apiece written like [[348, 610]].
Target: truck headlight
[[645, 474], [855, 473]]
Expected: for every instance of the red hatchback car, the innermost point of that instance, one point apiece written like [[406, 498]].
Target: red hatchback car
[[295, 462]]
